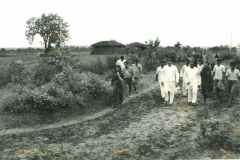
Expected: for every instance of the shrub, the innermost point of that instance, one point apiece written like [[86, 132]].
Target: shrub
[[16, 70], [26, 99], [4, 76], [15, 73], [48, 67], [67, 89]]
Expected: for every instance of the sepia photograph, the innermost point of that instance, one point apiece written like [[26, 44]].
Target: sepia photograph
[[120, 80]]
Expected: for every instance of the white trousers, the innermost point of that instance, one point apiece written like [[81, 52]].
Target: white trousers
[[192, 93], [162, 89], [184, 87], [170, 89]]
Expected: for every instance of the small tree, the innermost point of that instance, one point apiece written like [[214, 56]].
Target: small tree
[[52, 28]]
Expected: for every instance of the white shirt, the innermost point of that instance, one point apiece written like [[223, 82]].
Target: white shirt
[[160, 73], [136, 69], [171, 73], [200, 67], [184, 70], [218, 72], [233, 75], [121, 63], [193, 76]]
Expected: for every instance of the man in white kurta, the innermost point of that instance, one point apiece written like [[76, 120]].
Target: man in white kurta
[[160, 76], [193, 83], [183, 76], [171, 79], [121, 63]]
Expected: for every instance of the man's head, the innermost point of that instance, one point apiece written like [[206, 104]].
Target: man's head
[[162, 62], [122, 58], [232, 65], [169, 62], [218, 61], [192, 64], [126, 64]]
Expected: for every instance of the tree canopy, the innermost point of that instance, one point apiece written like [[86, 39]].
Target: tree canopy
[[52, 28]]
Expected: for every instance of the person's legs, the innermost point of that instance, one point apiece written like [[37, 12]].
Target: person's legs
[[189, 94], [172, 92], [162, 90], [166, 92], [194, 93], [121, 90], [130, 85], [184, 89], [231, 87]]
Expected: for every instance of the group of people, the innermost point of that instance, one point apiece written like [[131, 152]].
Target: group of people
[[197, 75], [125, 78]]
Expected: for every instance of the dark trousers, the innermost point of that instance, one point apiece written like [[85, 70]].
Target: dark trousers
[[118, 92], [128, 82]]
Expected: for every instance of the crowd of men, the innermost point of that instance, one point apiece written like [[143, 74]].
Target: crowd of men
[[125, 78], [195, 76]]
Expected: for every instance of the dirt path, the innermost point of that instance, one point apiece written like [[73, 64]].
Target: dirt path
[[73, 121]]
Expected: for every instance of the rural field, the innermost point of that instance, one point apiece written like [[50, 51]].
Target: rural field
[[60, 108]]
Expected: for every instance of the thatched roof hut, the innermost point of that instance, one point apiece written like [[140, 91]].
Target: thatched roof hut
[[107, 47], [137, 45]]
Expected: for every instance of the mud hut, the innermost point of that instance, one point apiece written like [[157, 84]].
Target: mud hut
[[108, 47], [137, 46]]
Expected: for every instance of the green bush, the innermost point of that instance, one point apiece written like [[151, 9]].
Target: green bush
[[67, 89], [4, 76], [47, 68], [44, 98], [16, 70], [15, 73]]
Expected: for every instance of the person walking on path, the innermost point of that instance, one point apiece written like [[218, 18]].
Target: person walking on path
[[193, 84], [120, 62], [183, 77], [232, 76], [199, 66], [218, 77], [206, 81], [118, 86], [136, 74], [171, 81], [127, 74], [160, 77]]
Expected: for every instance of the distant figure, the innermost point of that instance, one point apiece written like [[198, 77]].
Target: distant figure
[[193, 83], [127, 78], [183, 76], [218, 77], [118, 85], [120, 62], [199, 66], [136, 74], [172, 79], [160, 77], [232, 76], [207, 81]]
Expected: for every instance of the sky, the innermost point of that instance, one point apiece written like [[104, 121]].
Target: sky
[[191, 22]]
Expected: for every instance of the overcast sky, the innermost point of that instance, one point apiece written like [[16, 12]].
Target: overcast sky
[[191, 22]]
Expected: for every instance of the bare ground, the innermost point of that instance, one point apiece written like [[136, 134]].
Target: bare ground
[[141, 128]]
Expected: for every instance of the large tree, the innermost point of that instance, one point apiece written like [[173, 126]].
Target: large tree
[[52, 28]]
